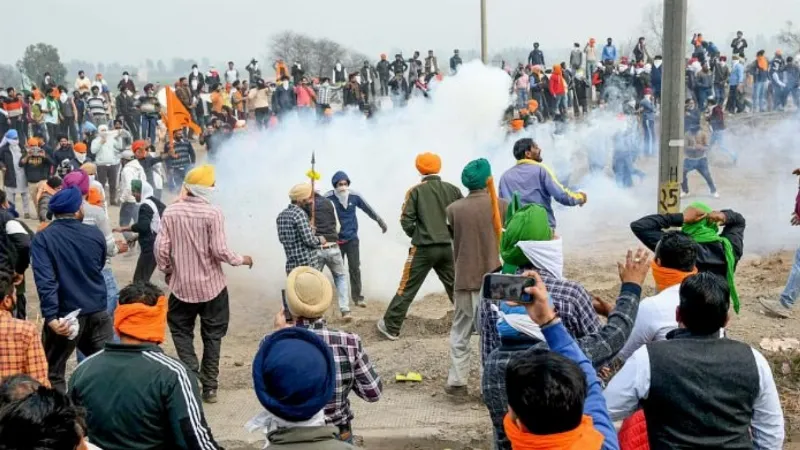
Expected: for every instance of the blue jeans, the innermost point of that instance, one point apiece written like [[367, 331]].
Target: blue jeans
[[649, 129], [149, 128], [792, 288], [718, 137], [702, 97], [332, 257], [561, 101], [760, 96], [522, 97], [719, 94], [700, 165], [622, 164]]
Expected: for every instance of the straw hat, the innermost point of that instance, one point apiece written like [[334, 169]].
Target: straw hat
[[308, 293]]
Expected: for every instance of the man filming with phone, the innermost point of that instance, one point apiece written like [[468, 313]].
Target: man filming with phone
[[529, 327]]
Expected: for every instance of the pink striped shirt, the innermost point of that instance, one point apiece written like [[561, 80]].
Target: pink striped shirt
[[191, 247]]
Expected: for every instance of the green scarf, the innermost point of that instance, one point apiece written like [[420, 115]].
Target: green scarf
[[523, 223], [706, 232]]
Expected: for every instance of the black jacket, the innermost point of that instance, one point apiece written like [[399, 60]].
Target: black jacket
[[283, 100], [297, 75], [711, 256], [384, 69], [536, 57], [7, 161], [455, 61], [15, 248], [201, 81], [142, 226], [399, 86], [398, 66], [125, 105], [37, 168]]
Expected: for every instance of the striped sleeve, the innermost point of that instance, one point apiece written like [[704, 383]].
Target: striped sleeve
[[219, 246], [186, 419]]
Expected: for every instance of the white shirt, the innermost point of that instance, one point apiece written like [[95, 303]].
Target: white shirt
[[231, 76], [632, 384], [656, 318]]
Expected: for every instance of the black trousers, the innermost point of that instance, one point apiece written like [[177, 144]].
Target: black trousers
[[262, 117], [214, 317], [21, 309], [352, 253], [145, 266], [384, 87], [95, 330], [131, 125]]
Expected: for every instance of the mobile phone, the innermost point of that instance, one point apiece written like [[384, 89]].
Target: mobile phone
[[286, 313], [511, 288]]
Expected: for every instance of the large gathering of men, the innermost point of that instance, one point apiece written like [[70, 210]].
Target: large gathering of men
[[565, 370]]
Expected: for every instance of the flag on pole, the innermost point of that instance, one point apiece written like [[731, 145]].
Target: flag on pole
[[177, 117]]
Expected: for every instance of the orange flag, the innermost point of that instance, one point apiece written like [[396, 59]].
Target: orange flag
[[177, 117]]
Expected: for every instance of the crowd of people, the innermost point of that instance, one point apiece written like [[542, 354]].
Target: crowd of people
[[553, 374]]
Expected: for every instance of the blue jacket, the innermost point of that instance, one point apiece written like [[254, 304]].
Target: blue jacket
[[609, 53], [348, 222], [737, 75], [648, 110], [67, 259], [536, 183], [655, 79], [562, 343]]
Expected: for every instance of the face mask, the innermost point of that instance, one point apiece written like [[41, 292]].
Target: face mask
[[657, 63], [125, 77], [255, 66], [285, 84], [130, 93], [194, 71], [338, 66], [723, 63], [63, 97], [81, 157], [342, 188], [358, 80]]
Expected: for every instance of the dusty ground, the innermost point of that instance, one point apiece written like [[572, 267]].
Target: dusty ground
[[424, 344]]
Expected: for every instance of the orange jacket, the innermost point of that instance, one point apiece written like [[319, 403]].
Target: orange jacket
[[633, 434]]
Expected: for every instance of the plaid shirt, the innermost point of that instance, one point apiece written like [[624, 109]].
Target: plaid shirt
[[325, 93], [21, 350], [599, 347], [571, 301], [354, 371], [299, 243]]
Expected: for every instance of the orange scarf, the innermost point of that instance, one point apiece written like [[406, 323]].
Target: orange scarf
[[584, 437], [666, 278], [762, 63], [497, 223], [142, 322]]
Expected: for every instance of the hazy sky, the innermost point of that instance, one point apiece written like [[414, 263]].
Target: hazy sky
[[131, 31]]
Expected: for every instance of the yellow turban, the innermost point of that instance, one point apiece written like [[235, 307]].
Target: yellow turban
[[428, 163], [201, 176], [300, 191], [89, 168]]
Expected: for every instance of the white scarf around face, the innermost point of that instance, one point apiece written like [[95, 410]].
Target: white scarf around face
[[546, 255], [268, 422]]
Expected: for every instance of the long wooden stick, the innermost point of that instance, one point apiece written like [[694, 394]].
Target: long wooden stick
[[313, 191]]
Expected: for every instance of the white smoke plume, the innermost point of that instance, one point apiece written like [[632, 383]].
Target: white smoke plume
[[462, 122]]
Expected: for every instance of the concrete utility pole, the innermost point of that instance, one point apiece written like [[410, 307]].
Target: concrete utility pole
[[673, 92], [484, 42]]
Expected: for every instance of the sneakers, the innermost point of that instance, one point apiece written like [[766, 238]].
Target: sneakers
[[776, 308], [346, 316], [456, 391], [385, 332], [684, 194], [715, 195], [210, 396], [360, 303]]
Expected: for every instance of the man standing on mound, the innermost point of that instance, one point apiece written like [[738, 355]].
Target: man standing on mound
[[424, 220]]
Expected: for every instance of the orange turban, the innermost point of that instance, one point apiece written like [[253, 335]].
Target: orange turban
[[33, 142], [142, 322], [140, 148], [557, 69], [80, 147], [517, 125], [428, 163], [533, 106], [94, 197]]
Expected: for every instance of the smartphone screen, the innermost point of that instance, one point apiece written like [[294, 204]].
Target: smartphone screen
[[510, 288], [286, 313]]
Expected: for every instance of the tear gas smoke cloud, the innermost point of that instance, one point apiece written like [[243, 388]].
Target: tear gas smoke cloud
[[460, 123]]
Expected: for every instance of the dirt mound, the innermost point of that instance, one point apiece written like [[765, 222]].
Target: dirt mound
[[786, 370]]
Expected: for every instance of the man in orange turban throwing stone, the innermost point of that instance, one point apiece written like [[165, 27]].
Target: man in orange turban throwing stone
[[424, 220]]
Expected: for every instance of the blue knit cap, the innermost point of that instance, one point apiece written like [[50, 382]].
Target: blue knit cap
[[339, 176], [294, 374]]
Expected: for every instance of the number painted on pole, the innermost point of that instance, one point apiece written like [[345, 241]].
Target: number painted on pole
[[669, 197]]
